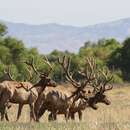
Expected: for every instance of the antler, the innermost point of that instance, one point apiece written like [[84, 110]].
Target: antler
[[46, 61], [107, 78], [7, 71], [31, 64], [103, 78], [30, 74], [65, 63], [89, 72], [97, 82]]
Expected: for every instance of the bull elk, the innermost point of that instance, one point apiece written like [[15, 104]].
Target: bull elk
[[62, 102], [24, 92], [58, 101], [100, 85]]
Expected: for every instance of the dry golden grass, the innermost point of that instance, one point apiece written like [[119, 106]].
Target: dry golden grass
[[113, 117]]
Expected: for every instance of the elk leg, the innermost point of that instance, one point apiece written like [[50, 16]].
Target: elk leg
[[52, 116], [19, 111], [3, 103], [40, 112], [67, 115], [38, 105], [72, 116], [80, 115], [55, 116], [6, 117], [66, 118], [2, 117], [32, 114], [2, 114]]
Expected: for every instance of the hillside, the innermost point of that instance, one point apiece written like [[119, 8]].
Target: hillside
[[47, 37]]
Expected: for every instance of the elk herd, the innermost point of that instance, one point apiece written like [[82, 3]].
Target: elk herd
[[46, 95]]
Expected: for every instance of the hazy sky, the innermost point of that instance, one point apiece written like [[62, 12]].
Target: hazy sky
[[71, 12]]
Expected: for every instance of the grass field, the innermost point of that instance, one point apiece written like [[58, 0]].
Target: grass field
[[113, 117]]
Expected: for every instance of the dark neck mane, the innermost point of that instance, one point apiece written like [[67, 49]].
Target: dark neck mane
[[40, 86]]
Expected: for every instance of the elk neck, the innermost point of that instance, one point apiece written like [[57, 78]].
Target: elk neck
[[40, 86]]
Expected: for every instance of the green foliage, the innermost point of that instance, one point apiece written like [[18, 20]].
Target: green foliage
[[108, 53], [115, 59], [125, 58], [120, 59], [58, 74], [2, 29], [117, 76], [14, 53]]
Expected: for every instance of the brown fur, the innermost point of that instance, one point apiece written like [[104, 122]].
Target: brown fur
[[14, 92], [56, 101]]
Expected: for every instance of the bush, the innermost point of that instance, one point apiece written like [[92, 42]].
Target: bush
[[117, 76]]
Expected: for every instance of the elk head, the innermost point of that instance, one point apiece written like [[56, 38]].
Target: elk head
[[88, 75], [45, 80], [101, 84]]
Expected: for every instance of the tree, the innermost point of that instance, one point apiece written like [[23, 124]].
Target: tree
[[120, 59], [3, 29], [125, 59]]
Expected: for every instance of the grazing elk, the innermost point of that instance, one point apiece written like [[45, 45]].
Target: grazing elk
[[24, 92], [62, 102]]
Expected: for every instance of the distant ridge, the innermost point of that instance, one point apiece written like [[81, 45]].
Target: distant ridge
[[47, 37]]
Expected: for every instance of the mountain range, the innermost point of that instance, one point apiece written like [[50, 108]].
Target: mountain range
[[47, 37]]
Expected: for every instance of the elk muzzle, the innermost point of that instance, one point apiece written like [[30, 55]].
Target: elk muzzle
[[106, 101]]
